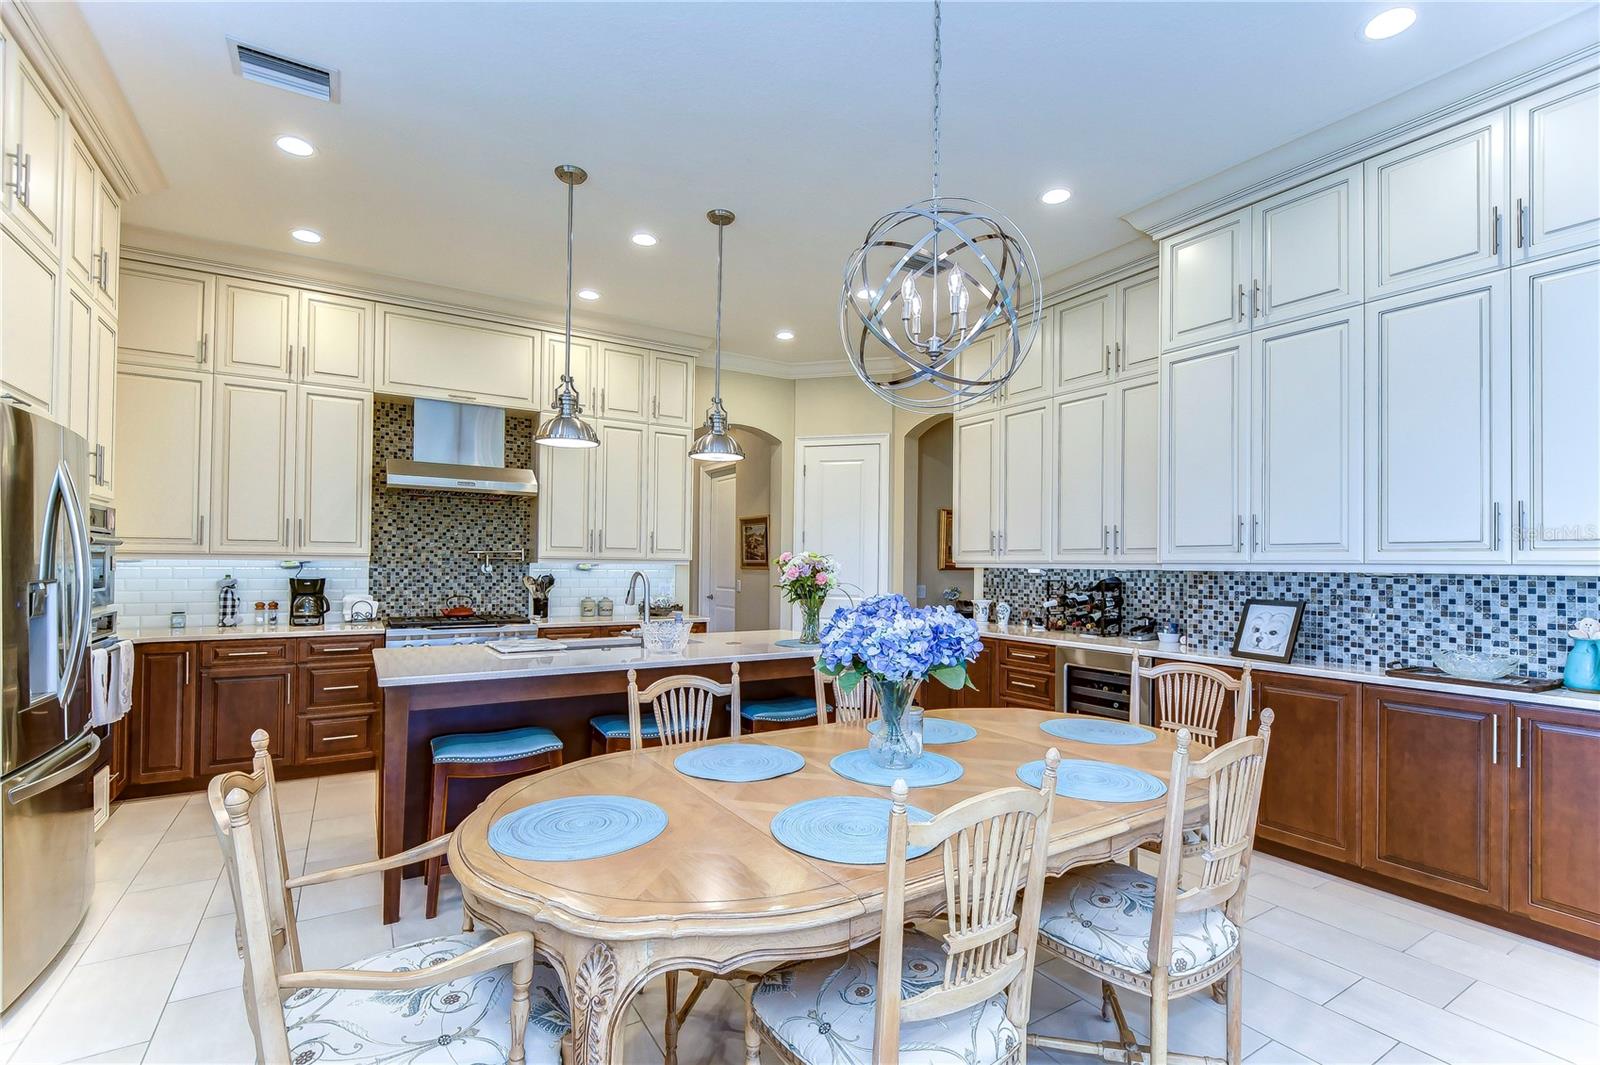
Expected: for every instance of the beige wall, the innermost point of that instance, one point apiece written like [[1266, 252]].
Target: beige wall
[[756, 601], [935, 489]]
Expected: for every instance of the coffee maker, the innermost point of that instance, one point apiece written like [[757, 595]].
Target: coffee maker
[[307, 604]]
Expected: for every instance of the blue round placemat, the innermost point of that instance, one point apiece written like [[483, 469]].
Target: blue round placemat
[[1089, 730], [794, 643], [577, 827], [1077, 778], [929, 770], [738, 763], [850, 829], [936, 730]]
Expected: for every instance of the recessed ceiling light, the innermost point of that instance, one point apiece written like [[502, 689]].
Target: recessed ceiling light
[[644, 240], [295, 146], [1388, 24], [306, 236], [588, 294], [1055, 196], [785, 334]]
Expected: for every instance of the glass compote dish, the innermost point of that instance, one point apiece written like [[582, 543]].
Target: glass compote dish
[[806, 579], [894, 646]]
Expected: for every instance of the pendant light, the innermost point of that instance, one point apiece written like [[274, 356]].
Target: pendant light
[[959, 252], [567, 428], [715, 443]]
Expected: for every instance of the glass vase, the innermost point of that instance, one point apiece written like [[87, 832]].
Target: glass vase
[[810, 622], [898, 741]]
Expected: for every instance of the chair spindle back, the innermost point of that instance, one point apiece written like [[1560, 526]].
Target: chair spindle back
[[1191, 696], [684, 706]]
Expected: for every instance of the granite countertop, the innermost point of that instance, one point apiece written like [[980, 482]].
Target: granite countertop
[[167, 634], [405, 666], [1565, 697]]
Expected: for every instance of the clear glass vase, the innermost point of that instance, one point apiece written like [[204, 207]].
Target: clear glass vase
[[898, 741], [811, 622]]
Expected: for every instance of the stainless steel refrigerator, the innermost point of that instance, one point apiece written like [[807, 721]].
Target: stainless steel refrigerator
[[47, 750]]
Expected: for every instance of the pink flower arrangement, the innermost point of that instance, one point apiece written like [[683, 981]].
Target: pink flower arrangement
[[806, 577]]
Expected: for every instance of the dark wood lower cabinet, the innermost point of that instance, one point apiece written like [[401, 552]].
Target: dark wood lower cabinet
[[118, 739], [161, 735], [980, 671], [1555, 802], [1311, 797], [233, 704], [1435, 791]]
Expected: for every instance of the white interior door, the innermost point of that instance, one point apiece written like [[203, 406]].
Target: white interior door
[[718, 564], [842, 504]]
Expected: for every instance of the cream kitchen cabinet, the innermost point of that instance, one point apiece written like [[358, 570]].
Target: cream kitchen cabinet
[[257, 327], [585, 371], [163, 450], [1135, 525], [1555, 169], [620, 490], [1436, 207], [1555, 394], [1086, 442], [566, 502], [1083, 330], [34, 139], [1204, 451], [103, 410], [333, 471], [1306, 461], [336, 340], [252, 466], [165, 316], [1438, 413], [976, 491], [93, 221], [1136, 348], [29, 322], [672, 389], [108, 236], [75, 377], [1033, 380], [669, 491], [446, 356], [1308, 250], [1204, 273], [624, 380]]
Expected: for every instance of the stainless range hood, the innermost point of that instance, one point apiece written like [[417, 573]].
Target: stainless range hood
[[459, 447]]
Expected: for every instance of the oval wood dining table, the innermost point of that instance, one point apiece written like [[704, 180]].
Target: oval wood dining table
[[716, 892]]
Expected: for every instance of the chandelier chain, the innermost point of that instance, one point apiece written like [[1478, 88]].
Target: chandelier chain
[[938, 64], [716, 383]]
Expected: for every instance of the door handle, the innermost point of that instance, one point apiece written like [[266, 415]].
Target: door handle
[[77, 528], [67, 764]]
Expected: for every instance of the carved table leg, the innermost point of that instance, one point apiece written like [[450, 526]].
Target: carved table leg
[[599, 984]]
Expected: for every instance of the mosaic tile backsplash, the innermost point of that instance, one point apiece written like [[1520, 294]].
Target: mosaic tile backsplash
[[1351, 619]]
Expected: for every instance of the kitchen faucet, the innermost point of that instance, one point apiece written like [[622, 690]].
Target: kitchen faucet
[[644, 607]]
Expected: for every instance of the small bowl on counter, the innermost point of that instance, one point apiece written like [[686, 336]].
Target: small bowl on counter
[[1475, 665], [665, 636]]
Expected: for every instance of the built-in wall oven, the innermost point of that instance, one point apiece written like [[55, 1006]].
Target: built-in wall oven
[[102, 556], [1097, 682]]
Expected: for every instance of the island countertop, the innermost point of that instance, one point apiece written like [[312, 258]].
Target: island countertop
[[410, 666]]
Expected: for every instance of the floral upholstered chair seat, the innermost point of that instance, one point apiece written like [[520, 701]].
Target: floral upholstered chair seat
[[824, 1011], [462, 1022], [1105, 911]]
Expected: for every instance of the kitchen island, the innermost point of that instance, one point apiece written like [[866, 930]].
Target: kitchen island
[[434, 691]]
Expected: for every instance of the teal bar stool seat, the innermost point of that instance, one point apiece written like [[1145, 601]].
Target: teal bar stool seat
[[609, 733], [475, 755], [765, 714]]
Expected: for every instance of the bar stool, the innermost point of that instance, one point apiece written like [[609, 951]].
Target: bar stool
[[475, 755], [608, 734]]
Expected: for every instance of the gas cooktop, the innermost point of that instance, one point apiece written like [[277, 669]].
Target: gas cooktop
[[439, 621]]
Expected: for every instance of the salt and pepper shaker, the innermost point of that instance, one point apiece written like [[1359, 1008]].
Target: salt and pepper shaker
[[272, 612], [227, 602], [261, 612], [178, 619]]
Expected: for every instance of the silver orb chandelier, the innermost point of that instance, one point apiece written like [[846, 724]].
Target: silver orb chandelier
[[941, 301]]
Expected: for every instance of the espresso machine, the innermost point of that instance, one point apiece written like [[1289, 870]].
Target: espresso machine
[[307, 603]]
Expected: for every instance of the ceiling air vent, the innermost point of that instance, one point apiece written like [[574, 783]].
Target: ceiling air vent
[[281, 72]]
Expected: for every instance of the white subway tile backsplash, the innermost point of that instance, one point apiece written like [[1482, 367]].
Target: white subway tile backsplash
[[148, 590]]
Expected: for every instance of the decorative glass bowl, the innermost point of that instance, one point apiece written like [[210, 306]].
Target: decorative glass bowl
[[665, 636], [1475, 665]]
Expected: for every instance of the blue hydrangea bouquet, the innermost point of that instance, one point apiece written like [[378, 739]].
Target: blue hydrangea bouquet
[[895, 647]]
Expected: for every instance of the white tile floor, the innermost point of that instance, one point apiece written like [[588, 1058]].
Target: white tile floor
[[1335, 972]]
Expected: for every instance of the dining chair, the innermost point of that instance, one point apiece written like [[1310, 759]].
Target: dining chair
[[964, 998], [795, 711], [683, 707], [1142, 933], [490, 997], [858, 707]]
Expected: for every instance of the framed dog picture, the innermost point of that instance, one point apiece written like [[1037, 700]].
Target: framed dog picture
[[1267, 629], [753, 542]]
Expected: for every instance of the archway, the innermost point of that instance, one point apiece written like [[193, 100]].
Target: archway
[[756, 492]]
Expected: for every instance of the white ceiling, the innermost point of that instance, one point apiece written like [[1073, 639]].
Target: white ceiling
[[807, 120]]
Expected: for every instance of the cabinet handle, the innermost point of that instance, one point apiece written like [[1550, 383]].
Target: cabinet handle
[[245, 654], [288, 693], [1519, 743], [652, 543], [1521, 227], [655, 407], [305, 361], [1022, 683], [1116, 539], [300, 531], [346, 736], [1241, 301], [1255, 532], [286, 532], [336, 650], [205, 344], [15, 399], [1522, 525], [464, 399], [991, 543], [1494, 232], [1002, 543], [188, 672], [1108, 360], [1494, 740], [105, 271], [1105, 538], [1119, 356], [1496, 542], [15, 183], [602, 400], [341, 687], [1255, 298], [1238, 536], [202, 530]]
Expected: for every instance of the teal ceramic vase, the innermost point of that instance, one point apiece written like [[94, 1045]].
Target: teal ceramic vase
[[1582, 672]]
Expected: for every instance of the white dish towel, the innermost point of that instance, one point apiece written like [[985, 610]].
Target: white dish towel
[[111, 682]]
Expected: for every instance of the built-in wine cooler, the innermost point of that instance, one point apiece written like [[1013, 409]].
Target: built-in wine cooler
[[1097, 682]]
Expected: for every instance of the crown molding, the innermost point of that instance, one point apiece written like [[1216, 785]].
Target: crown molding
[[1518, 70], [57, 40], [1118, 264]]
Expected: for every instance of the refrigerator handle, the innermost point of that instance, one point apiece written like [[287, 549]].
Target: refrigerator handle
[[67, 490], [77, 754]]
